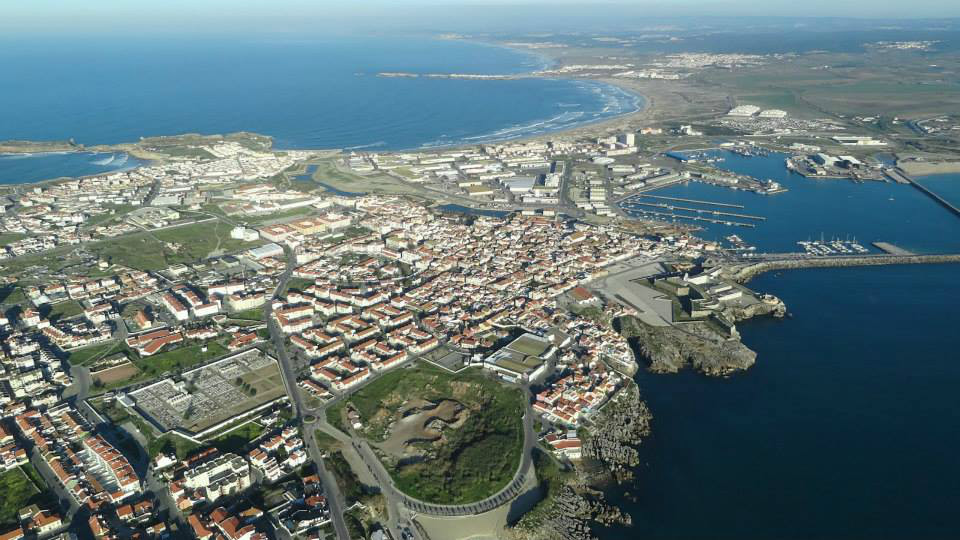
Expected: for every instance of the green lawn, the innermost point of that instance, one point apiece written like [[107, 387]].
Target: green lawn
[[255, 314], [179, 359], [18, 491], [152, 367], [86, 355], [299, 284], [120, 210], [237, 440], [9, 238], [62, 310], [292, 213], [11, 294], [160, 249]]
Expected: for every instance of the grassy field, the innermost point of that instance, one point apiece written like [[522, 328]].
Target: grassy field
[[895, 85], [180, 359], [9, 238], [255, 314], [237, 440], [62, 310], [152, 367], [159, 249], [328, 173], [120, 210], [11, 294], [326, 443], [299, 284], [18, 491], [277, 216], [87, 355], [474, 460]]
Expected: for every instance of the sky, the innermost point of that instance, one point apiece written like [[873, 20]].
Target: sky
[[92, 16]]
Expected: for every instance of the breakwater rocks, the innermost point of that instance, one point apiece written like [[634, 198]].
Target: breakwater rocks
[[668, 349], [745, 273]]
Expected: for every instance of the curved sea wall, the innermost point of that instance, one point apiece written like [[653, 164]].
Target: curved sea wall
[[746, 273]]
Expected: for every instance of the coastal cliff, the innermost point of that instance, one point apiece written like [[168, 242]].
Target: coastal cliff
[[698, 345], [574, 499]]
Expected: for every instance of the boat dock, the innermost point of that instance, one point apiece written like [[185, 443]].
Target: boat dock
[[887, 247], [695, 201], [697, 218], [695, 210]]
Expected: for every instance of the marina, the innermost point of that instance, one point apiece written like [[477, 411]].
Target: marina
[[833, 247], [696, 218], [634, 204], [680, 199]]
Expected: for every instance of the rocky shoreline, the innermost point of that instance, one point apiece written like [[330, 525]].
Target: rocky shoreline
[[698, 345], [609, 456]]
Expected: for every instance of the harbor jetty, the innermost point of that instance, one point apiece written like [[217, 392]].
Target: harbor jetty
[[747, 272]]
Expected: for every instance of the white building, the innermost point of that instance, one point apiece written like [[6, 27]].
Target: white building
[[223, 475], [744, 110]]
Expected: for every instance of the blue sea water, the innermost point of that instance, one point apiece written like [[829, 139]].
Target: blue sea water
[[27, 168], [845, 427], [306, 93], [870, 211]]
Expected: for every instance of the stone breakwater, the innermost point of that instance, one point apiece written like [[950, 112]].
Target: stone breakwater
[[745, 273]]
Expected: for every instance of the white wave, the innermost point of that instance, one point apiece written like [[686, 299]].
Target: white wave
[[104, 161], [371, 145]]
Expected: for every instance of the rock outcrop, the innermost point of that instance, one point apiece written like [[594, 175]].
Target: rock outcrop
[[671, 348]]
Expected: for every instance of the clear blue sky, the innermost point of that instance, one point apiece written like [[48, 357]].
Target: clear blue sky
[[277, 15]]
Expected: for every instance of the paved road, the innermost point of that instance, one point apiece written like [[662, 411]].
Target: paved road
[[289, 375]]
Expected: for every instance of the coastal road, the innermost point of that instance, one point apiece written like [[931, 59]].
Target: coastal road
[[289, 375]]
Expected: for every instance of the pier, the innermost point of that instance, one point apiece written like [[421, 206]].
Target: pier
[[943, 202], [695, 201], [749, 271], [698, 218], [697, 210], [891, 249]]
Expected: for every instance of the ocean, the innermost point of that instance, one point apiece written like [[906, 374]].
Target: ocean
[[828, 208], [845, 427], [29, 168], [306, 93]]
